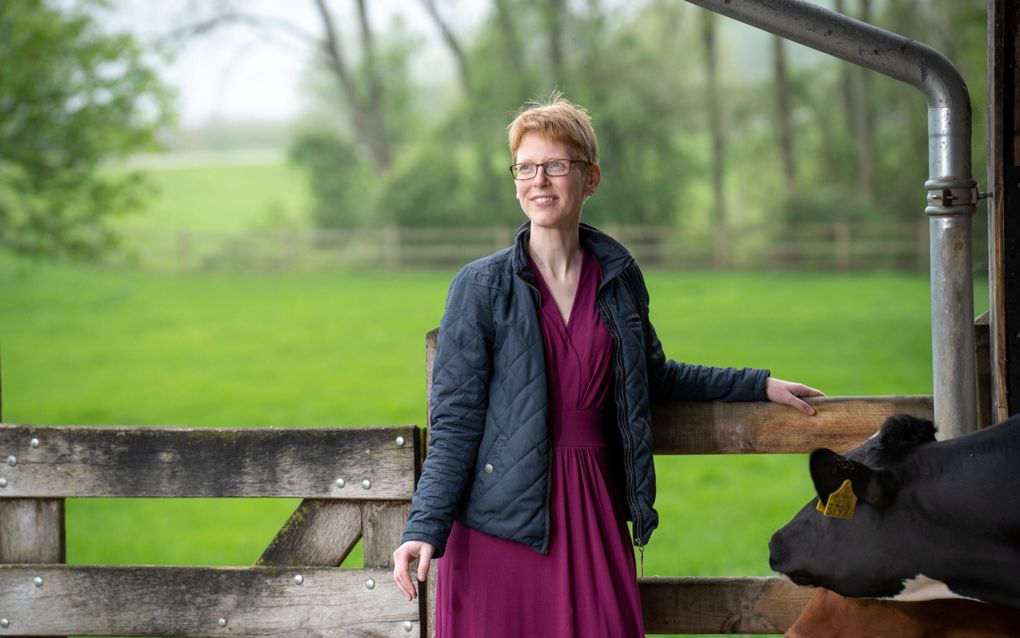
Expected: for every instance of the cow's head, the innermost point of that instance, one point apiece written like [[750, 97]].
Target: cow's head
[[864, 552]]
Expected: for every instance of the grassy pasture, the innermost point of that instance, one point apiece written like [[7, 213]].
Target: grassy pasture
[[91, 345]]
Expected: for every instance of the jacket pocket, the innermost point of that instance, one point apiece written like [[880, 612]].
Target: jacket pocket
[[492, 461]]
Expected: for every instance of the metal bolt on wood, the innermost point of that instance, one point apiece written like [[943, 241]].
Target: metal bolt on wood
[[37, 581], [369, 584], [3, 482], [222, 622], [34, 442], [12, 460], [5, 623], [400, 441], [298, 579], [340, 482], [366, 484], [408, 626]]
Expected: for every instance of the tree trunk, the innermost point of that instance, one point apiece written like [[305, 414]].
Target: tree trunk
[[865, 124], [554, 23], [783, 116], [708, 39], [511, 46], [451, 43], [366, 114], [846, 81]]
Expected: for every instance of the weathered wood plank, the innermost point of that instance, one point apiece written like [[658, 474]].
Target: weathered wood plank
[[382, 525], [190, 601], [319, 532], [32, 530], [841, 423], [83, 461], [720, 605], [431, 343]]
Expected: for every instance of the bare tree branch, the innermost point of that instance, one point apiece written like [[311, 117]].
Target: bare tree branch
[[451, 42], [331, 48]]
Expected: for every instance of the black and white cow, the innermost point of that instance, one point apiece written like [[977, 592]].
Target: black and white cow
[[933, 519]]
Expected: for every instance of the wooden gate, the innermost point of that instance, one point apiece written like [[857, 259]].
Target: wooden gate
[[356, 483]]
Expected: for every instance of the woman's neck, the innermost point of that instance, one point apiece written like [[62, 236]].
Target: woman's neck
[[557, 251]]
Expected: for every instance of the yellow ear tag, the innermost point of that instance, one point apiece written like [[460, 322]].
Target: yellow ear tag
[[841, 503]]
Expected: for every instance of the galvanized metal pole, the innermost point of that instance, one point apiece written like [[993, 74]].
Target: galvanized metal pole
[[952, 191]]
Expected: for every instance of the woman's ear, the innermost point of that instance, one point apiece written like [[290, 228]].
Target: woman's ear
[[594, 177]]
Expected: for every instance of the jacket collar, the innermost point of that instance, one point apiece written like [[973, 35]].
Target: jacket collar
[[610, 253]]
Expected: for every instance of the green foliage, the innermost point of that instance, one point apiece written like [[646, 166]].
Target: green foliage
[[71, 97], [341, 178], [639, 68]]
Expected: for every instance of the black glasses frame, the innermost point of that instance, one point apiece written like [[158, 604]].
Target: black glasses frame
[[515, 169]]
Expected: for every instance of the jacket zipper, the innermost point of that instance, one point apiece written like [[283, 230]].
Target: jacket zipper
[[548, 469], [628, 461]]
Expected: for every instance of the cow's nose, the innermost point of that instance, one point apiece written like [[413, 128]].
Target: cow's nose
[[775, 552]]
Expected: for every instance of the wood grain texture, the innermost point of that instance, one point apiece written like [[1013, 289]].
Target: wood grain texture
[[841, 423], [32, 530], [720, 605], [319, 532], [431, 342], [189, 601], [84, 461], [382, 526]]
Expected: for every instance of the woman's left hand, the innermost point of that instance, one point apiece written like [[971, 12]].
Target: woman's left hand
[[789, 393]]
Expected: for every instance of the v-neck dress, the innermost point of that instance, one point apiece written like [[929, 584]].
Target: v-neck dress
[[585, 585]]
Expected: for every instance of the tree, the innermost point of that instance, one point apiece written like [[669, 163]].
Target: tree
[[718, 132], [71, 98], [783, 116]]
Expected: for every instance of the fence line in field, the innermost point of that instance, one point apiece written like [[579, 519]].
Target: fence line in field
[[836, 246]]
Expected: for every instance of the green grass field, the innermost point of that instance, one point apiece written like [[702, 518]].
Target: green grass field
[[95, 345]]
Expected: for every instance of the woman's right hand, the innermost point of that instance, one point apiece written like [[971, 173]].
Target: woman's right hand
[[402, 558]]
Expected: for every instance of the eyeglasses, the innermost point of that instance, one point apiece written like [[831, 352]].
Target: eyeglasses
[[553, 168]]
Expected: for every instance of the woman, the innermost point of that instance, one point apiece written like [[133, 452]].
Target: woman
[[541, 447]]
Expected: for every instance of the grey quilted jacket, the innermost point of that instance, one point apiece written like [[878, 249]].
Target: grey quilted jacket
[[489, 454]]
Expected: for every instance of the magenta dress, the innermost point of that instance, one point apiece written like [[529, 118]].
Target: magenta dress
[[585, 585]]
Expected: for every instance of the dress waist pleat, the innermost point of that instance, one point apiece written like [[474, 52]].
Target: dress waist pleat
[[577, 428]]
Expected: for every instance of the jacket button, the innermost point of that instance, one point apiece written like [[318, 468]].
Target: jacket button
[[488, 468]]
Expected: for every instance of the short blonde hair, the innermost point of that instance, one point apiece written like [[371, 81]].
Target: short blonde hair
[[558, 120]]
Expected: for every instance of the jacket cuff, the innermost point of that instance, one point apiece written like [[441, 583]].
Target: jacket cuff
[[761, 383]]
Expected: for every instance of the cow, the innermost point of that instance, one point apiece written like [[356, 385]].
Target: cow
[[932, 519], [829, 615]]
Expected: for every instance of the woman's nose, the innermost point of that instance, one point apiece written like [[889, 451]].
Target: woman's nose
[[540, 176]]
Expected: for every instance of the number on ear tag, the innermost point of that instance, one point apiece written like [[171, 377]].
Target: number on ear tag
[[841, 503]]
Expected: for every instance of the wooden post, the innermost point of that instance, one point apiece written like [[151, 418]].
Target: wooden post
[[31, 529], [841, 231], [1004, 208], [982, 345]]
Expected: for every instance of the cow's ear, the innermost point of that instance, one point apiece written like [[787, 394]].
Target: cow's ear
[[901, 432], [829, 470]]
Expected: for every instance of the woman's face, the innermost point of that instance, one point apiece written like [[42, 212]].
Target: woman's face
[[553, 202]]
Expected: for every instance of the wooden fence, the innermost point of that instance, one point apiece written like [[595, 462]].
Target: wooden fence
[[356, 484], [824, 246]]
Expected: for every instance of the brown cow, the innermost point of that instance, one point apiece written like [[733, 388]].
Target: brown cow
[[829, 615]]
